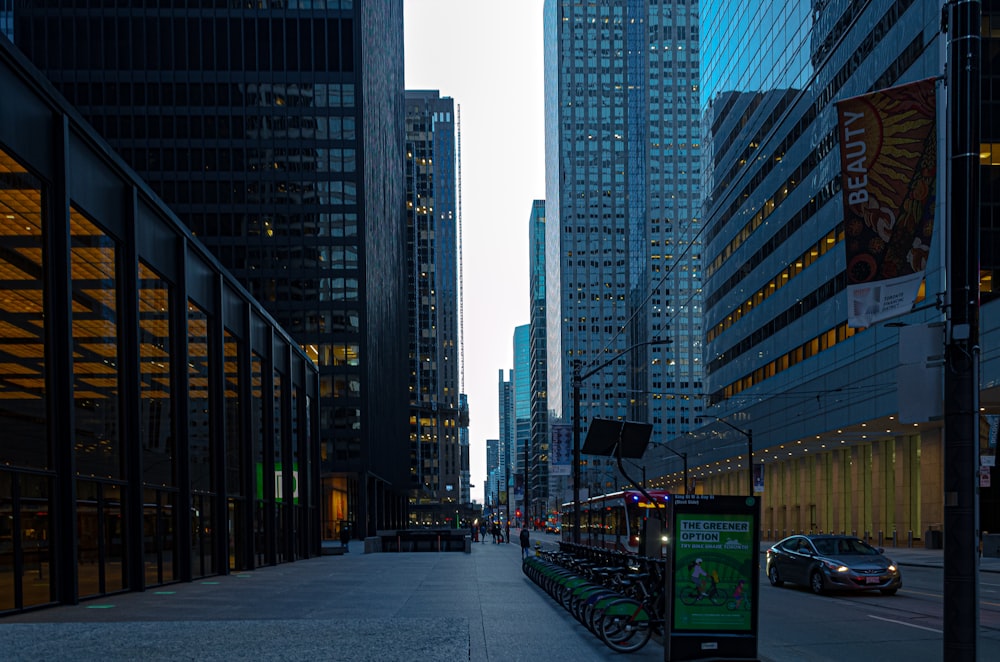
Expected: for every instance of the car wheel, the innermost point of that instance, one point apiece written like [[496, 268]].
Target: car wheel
[[816, 582], [772, 576], [888, 591]]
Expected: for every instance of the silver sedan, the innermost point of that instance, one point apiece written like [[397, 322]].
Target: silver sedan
[[832, 563]]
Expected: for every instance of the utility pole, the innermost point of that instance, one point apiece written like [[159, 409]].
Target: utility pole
[[749, 435], [961, 380]]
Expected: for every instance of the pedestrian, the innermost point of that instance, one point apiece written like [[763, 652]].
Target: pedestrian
[[474, 532], [525, 542], [506, 532], [482, 533], [345, 536]]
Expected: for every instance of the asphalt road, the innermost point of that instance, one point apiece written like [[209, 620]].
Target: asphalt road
[[797, 625]]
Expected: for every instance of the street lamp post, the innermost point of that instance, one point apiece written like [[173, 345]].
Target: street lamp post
[[749, 435], [578, 380], [684, 457]]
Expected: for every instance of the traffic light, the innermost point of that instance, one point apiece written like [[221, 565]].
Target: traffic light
[[517, 512]]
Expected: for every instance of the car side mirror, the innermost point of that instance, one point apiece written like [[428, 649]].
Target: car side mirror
[[881, 550]]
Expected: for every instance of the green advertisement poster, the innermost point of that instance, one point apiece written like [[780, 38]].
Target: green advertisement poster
[[713, 572]]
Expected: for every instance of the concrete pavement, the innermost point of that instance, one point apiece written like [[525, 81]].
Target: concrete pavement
[[411, 606], [424, 606]]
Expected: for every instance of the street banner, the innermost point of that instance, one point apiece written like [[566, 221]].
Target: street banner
[[758, 479], [888, 157], [561, 450]]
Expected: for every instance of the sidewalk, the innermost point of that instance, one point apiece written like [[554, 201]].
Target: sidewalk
[[426, 606]]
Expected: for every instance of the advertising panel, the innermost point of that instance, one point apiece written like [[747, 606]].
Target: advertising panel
[[714, 570], [715, 575]]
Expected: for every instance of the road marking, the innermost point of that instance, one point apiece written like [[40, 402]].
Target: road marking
[[909, 625]]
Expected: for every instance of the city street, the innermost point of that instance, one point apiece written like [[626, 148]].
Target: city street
[[795, 624], [452, 606]]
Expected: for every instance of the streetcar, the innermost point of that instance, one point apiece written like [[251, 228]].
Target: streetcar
[[623, 521]]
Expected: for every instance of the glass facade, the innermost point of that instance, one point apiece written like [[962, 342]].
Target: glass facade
[[114, 456], [274, 131], [622, 220], [433, 306], [538, 488], [780, 359]]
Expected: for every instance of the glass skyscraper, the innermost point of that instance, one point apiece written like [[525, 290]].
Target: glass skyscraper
[[521, 392], [538, 489], [432, 272], [275, 130], [622, 193]]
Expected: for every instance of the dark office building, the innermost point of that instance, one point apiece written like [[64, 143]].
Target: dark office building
[[433, 312], [275, 131], [158, 425]]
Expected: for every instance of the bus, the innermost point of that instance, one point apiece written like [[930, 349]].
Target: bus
[[623, 521]]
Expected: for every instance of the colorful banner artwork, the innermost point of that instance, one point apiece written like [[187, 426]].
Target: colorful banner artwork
[[888, 156]]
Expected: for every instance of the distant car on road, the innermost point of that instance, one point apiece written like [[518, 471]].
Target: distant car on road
[[832, 563]]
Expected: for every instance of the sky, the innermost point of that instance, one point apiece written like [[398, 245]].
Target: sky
[[487, 56]]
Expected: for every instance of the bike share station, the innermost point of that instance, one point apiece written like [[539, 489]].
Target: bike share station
[[712, 557]]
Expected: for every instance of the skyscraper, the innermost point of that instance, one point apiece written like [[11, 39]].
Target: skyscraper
[[622, 192], [275, 130], [521, 392], [432, 273], [537, 489], [508, 433]]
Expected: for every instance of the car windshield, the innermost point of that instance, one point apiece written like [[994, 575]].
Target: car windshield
[[843, 547]]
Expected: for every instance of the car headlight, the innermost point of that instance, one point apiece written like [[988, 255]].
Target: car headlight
[[835, 567], [892, 567]]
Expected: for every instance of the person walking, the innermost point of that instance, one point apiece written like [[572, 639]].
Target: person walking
[[482, 533], [345, 536], [525, 542], [506, 532]]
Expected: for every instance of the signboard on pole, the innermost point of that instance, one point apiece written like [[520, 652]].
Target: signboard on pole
[[714, 567], [560, 450]]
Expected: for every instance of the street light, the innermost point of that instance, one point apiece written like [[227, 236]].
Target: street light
[[683, 456], [578, 380], [749, 435]]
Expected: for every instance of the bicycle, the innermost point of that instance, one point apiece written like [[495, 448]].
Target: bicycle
[[717, 595]]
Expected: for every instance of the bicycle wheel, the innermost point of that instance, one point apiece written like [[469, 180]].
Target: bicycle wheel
[[625, 626], [718, 596], [689, 595], [593, 611]]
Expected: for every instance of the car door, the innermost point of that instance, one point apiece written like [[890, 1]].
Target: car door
[[788, 559], [800, 555]]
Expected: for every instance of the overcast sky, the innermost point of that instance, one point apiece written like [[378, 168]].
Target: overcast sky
[[487, 56]]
